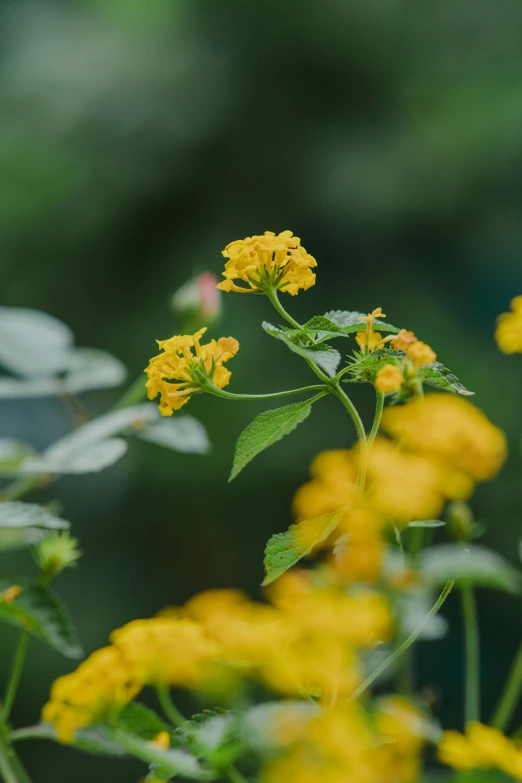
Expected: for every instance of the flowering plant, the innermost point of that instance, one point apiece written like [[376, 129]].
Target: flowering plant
[[315, 683]]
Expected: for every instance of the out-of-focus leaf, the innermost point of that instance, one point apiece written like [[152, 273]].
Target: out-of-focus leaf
[[95, 739], [260, 725], [426, 523], [414, 607], [182, 433], [12, 453], [468, 564], [39, 611], [87, 368], [33, 343], [23, 524], [91, 447], [324, 356], [284, 550], [90, 368], [142, 721], [265, 430]]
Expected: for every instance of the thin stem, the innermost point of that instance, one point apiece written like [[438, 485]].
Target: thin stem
[[231, 396], [359, 427], [379, 407], [133, 394], [510, 696], [11, 769], [168, 706], [272, 295], [16, 672], [234, 775], [406, 644], [472, 655]]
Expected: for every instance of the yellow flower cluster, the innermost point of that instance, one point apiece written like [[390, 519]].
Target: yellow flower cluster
[[276, 261], [184, 366], [509, 328], [96, 691], [482, 747], [442, 445], [306, 642], [340, 745]]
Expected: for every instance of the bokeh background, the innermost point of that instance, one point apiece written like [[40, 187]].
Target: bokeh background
[[137, 139]]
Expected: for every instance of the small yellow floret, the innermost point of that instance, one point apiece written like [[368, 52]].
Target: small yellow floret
[[508, 333], [10, 595], [388, 379], [266, 262], [403, 340], [161, 740], [420, 354], [481, 747]]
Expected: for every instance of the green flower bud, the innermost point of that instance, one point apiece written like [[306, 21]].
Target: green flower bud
[[460, 520], [55, 552]]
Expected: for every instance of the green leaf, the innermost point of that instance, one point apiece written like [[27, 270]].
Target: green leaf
[[182, 433], [259, 724], [437, 375], [39, 611], [87, 368], [366, 366], [12, 453], [137, 719], [426, 523], [91, 447], [23, 524], [469, 564], [95, 739], [324, 356], [265, 430], [284, 550], [349, 321], [33, 343]]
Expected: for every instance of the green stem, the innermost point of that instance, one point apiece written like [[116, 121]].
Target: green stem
[[150, 755], [406, 644], [359, 428], [472, 655], [168, 706], [272, 295], [16, 672], [11, 769], [231, 396], [133, 394], [379, 407], [510, 695]]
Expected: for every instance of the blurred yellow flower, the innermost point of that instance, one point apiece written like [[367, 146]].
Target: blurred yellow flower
[[165, 650], [481, 747], [10, 595], [452, 429], [275, 261], [178, 372], [388, 379], [370, 340], [420, 354], [99, 688], [403, 340], [508, 333]]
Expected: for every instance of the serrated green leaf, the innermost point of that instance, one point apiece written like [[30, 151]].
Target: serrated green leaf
[[468, 564], [32, 343], [39, 611], [284, 550], [265, 430], [349, 321], [23, 524], [437, 375], [182, 433], [324, 356], [137, 719]]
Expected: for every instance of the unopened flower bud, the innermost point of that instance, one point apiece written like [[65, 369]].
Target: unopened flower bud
[[55, 552], [198, 300]]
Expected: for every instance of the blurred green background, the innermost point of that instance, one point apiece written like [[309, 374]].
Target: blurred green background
[[137, 139]]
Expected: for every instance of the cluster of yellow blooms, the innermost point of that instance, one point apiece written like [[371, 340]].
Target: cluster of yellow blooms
[[482, 747], [509, 328], [391, 377], [276, 261], [442, 446], [177, 372]]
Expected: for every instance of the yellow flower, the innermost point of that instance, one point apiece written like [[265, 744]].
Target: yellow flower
[[420, 354], [370, 340], [508, 333], [268, 261], [161, 740], [332, 487], [482, 747], [388, 379], [452, 429], [10, 595], [165, 650], [99, 688], [177, 372], [403, 340]]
